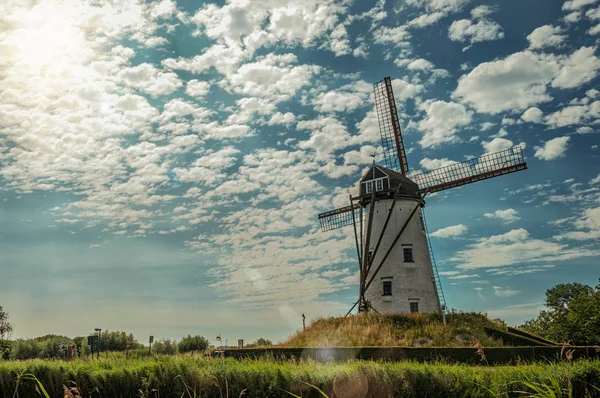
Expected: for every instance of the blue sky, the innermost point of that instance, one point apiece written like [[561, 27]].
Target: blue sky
[[162, 164]]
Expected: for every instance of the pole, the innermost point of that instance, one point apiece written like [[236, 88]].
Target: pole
[[303, 324], [99, 335]]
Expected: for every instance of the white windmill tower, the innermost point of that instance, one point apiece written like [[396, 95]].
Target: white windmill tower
[[397, 273]]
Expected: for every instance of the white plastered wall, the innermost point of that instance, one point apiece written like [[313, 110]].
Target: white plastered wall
[[411, 282]]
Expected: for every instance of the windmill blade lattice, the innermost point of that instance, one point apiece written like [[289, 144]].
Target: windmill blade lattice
[[472, 170], [339, 218], [389, 127]]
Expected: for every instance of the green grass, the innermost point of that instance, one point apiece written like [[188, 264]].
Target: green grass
[[384, 330], [183, 376]]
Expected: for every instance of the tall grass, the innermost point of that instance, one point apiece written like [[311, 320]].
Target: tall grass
[[205, 377], [372, 329]]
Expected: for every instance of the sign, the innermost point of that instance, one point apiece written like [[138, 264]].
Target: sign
[[151, 339], [240, 343], [93, 343], [64, 346]]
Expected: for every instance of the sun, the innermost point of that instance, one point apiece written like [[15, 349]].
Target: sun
[[44, 39]]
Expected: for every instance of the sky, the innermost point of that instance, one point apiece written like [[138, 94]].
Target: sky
[[162, 164]]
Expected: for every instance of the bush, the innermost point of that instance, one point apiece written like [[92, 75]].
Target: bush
[[5, 349], [193, 343]]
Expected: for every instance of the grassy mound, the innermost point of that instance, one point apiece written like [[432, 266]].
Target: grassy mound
[[408, 330]]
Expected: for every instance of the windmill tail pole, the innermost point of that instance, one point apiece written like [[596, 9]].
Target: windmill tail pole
[[417, 206], [355, 233], [350, 310]]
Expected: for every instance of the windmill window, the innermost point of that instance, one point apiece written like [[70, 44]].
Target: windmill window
[[379, 185], [387, 288], [414, 307], [369, 186], [408, 255]]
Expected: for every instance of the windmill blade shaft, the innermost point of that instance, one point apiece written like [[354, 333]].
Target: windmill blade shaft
[[389, 126], [472, 170]]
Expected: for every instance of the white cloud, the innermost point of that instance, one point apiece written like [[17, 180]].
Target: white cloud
[[520, 81], [442, 122], [576, 4], [501, 291], [448, 273], [282, 118], [533, 115], [594, 30], [546, 36], [499, 144], [450, 231], [593, 14], [552, 149], [481, 11], [580, 67], [420, 64], [514, 314], [464, 276], [514, 83], [397, 36], [508, 216], [149, 79], [576, 114], [349, 99], [197, 88], [586, 226], [572, 17], [432, 164], [512, 248], [274, 77], [483, 30]]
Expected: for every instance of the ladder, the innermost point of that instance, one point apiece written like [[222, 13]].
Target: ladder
[[438, 282]]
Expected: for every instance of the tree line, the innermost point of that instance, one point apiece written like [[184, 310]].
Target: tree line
[[49, 346], [572, 315]]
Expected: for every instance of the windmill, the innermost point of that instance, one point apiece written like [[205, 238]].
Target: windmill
[[397, 268]]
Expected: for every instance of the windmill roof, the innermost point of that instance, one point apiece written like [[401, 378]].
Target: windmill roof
[[407, 186], [396, 175]]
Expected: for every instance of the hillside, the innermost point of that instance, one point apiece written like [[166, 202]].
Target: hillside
[[416, 330]]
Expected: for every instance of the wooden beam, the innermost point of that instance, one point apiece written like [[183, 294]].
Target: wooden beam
[[387, 220], [365, 252]]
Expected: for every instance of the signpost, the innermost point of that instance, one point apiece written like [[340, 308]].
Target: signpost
[[150, 348], [93, 343], [240, 343], [98, 343]]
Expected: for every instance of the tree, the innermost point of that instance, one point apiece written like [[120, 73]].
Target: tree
[[165, 347], [559, 297], [573, 315], [5, 335], [6, 328], [260, 343], [193, 343], [117, 341]]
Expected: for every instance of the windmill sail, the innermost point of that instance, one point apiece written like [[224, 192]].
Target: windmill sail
[[472, 170], [389, 127], [339, 218]]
